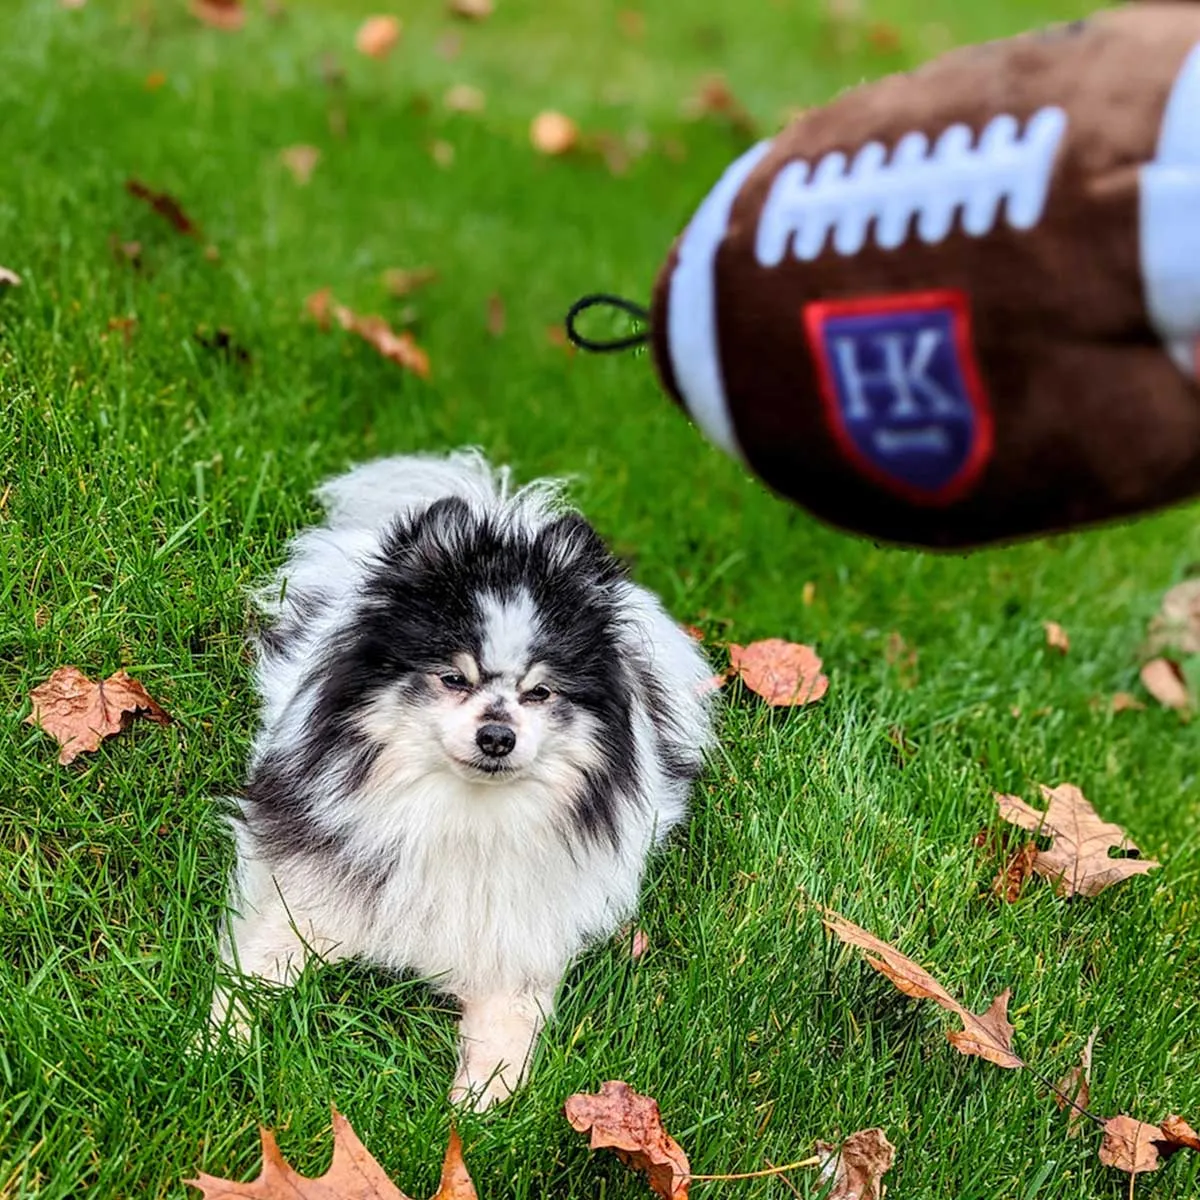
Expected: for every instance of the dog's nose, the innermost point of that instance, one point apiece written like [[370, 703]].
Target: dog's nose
[[495, 740]]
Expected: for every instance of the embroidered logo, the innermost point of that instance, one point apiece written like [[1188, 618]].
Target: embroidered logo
[[902, 391]]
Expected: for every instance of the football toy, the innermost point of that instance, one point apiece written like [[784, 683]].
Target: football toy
[[961, 305]]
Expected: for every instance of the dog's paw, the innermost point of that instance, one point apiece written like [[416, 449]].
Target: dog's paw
[[478, 1093]]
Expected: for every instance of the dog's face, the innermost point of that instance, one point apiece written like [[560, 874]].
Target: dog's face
[[492, 650]]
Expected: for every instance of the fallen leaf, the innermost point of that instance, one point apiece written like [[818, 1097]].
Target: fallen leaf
[[377, 36], [1176, 626], [79, 713], [497, 319], [1010, 882], [400, 348], [1124, 702], [899, 654], [9, 278], [470, 10], [1077, 860], [1056, 637], [442, 153], [782, 673], [400, 282], [552, 133], [464, 98], [620, 1119], [856, 1169], [353, 1174], [1130, 1145], [714, 98], [155, 80], [1164, 681], [165, 205], [557, 336], [884, 37], [228, 15], [301, 161], [1178, 1134], [126, 326], [808, 593], [1077, 1086], [986, 1035], [639, 944]]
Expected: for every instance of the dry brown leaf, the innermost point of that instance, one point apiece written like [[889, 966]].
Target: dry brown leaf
[[9, 278], [884, 37], [1176, 626], [317, 306], [1056, 637], [155, 80], [442, 153], [782, 673], [1124, 702], [986, 1035], [1077, 860], [301, 161], [497, 318], [620, 1119], [1178, 1135], [377, 36], [470, 10], [714, 98], [228, 15], [639, 944], [400, 348], [858, 1167], [465, 98], [1165, 682], [1076, 1085], [400, 282], [79, 713], [552, 133], [353, 1174], [1130, 1145], [899, 654], [1010, 881], [165, 205], [126, 326]]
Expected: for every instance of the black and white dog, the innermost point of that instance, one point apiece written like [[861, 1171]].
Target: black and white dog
[[474, 730]]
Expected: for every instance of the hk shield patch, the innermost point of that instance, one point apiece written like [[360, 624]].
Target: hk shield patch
[[902, 391]]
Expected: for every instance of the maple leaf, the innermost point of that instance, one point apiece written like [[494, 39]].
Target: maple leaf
[[227, 15], [620, 1119], [79, 713], [553, 134], [1136, 1147], [1165, 682], [377, 36], [1056, 637], [353, 1174], [858, 1166], [165, 205], [986, 1035], [1075, 1088], [400, 348], [782, 673], [1176, 626], [1077, 860]]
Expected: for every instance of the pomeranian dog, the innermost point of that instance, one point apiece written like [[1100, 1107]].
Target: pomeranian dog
[[474, 730]]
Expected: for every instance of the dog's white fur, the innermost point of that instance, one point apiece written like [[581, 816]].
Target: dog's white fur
[[488, 899]]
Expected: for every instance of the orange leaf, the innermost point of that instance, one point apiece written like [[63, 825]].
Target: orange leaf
[[353, 1174], [228, 15], [782, 673], [552, 133], [377, 36], [857, 1168], [620, 1119], [1077, 860], [400, 348], [301, 161], [1077, 1085], [1179, 1134], [1056, 637], [985, 1035], [80, 714], [400, 282], [1165, 682], [1130, 1145]]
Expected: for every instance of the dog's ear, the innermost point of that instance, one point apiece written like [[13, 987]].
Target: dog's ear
[[429, 535], [570, 543]]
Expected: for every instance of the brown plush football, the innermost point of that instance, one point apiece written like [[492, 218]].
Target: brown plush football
[[962, 305]]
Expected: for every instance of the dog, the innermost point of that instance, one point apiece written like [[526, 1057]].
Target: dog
[[475, 728]]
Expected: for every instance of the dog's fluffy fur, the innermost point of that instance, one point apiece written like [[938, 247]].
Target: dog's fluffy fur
[[379, 822]]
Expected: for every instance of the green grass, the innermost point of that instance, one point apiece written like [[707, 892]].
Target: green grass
[[145, 486]]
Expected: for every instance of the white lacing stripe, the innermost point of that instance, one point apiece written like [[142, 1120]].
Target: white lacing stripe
[[1008, 169], [692, 307], [1170, 220]]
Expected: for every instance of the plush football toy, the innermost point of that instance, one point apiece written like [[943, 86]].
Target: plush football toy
[[961, 305]]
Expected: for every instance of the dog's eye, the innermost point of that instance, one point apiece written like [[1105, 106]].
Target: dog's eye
[[456, 683], [536, 695]]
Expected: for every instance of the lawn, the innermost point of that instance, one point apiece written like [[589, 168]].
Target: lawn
[[148, 477]]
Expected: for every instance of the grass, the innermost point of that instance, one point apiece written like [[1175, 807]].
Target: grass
[[147, 484]]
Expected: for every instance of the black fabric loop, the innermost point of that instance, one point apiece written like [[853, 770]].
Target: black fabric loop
[[604, 299]]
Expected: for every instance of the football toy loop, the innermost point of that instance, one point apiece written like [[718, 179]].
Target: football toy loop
[[961, 305]]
